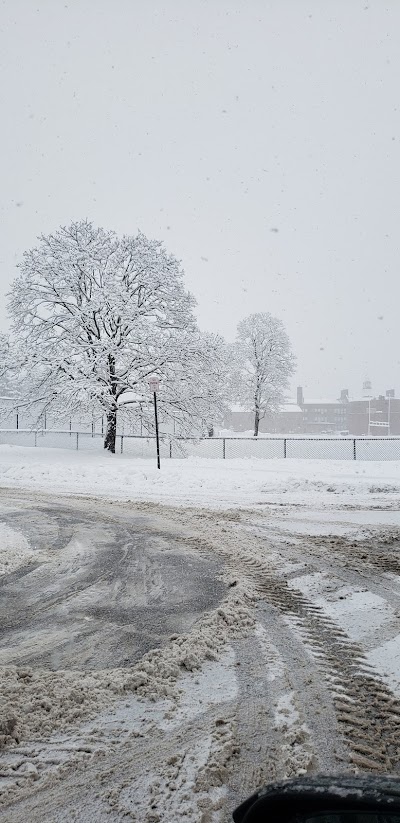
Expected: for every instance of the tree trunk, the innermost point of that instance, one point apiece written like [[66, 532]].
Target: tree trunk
[[256, 423], [111, 431]]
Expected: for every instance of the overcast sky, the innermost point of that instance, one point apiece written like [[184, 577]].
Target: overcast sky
[[259, 139]]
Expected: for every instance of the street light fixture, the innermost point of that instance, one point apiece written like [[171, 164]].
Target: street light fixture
[[154, 384]]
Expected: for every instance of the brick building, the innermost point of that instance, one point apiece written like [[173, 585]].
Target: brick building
[[375, 416], [323, 416], [289, 420]]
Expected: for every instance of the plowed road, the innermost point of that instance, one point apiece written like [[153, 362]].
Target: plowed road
[[161, 663]]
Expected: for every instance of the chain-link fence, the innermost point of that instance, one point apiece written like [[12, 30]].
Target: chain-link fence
[[227, 448], [309, 448]]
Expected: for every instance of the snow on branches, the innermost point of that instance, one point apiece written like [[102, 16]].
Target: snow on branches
[[95, 315], [264, 364]]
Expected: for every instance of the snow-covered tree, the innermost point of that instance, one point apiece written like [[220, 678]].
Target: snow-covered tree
[[264, 363], [94, 316], [8, 393], [193, 392]]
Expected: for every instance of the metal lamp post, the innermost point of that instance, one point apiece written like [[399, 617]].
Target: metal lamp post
[[154, 384]]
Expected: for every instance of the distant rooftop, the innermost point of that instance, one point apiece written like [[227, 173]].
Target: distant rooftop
[[325, 402], [236, 407], [291, 407]]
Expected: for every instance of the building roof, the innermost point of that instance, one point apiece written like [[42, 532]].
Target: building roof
[[237, 408], [290, 408], [372, 400], [324, 403]]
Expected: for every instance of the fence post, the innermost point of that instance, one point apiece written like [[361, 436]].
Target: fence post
[[17, 418], [223, 447], [284, 446], [170, 448], [122, 443], [35, 437], [77, 441], [354, 450]]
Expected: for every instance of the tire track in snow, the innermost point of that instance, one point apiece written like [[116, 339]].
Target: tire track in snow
[[367, 711], [380, 550]]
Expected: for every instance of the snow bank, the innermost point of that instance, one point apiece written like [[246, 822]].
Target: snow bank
[[14, 549], [36, 702], [211, 483]]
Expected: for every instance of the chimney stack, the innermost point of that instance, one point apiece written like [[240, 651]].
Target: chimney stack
[[300, 396]]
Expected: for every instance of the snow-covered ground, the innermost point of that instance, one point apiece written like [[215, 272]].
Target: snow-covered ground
[[210, 483], [296, 670]]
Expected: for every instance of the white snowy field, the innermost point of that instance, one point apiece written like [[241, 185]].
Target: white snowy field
[[210, 483]]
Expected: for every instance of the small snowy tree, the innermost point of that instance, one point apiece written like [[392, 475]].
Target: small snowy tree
[[264, 363], [94, 316]]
